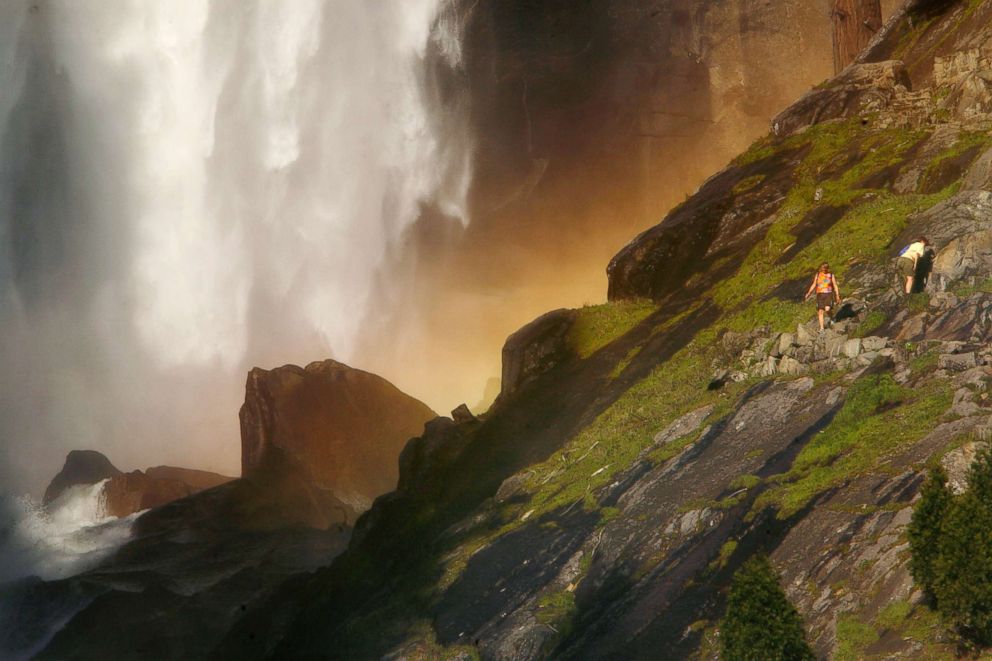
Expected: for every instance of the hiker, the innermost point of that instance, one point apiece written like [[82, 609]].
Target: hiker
[[827, 292], [909, 258]]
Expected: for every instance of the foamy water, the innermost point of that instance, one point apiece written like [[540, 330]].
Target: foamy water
[[69, 536]]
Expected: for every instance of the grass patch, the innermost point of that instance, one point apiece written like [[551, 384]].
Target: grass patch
[[878, 417], [893, 615], [557, 610], [966, 289], [745, 482], [872, 322], [918, 302], [924, 363], [853, 636], [746, 184], [726, 551], [598, 325], [625, 363]]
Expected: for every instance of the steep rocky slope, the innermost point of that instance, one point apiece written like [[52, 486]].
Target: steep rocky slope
[[587, 122], [647, 447]]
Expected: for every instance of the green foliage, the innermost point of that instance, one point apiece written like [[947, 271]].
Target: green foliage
[[557, 610], [872, 322], [964, 290], [962, 569], [853, 636], [748, 183], [924, 363], [894, 615], [598, 325], [878, 417], [760, 623], [918, 302], [924, 528]]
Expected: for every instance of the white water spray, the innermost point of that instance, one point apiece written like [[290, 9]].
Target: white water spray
[[191, 188], [68, 536]]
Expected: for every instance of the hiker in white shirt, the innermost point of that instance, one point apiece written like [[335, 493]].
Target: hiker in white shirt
[[909, 258]]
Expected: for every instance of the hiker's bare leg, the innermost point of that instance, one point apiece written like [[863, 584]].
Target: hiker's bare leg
[[819, 315], [826, 313], [909, 284]]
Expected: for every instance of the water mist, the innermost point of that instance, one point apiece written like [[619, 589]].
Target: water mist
[[189, 189]]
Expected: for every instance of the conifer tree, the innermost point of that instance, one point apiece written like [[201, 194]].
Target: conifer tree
[[760, 622], [924, 528], [963, 567]]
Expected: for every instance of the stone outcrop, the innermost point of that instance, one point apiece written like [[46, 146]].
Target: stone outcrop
[[338, 429], [534, 349], [133, 492], [860, 89], [81, 467], [127, 493]]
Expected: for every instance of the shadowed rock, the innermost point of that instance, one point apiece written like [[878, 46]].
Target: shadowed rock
[[81, 467], [338, 428]]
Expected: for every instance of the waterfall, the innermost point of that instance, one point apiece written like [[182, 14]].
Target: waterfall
[[191, 188]]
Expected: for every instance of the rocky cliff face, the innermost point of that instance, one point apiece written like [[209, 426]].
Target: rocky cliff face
[[339, 428], [588, 123], [601, 507]]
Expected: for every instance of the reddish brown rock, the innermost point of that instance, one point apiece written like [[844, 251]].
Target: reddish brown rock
[[136, 491], [127, 493], [195, 478], [340, 430]]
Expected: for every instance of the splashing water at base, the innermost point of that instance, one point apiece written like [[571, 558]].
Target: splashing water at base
[[67, 537]]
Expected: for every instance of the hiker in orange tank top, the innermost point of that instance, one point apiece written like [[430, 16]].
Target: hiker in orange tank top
[[827, 292]]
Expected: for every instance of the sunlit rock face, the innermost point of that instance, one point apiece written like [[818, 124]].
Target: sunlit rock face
[[589, 122], [338, 428]]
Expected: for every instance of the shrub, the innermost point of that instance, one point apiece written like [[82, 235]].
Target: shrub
[[760, 623], [924, 528]]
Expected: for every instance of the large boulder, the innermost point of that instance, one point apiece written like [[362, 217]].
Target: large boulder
[[339, 429], [960, 231], [534, 349], [81, 467]]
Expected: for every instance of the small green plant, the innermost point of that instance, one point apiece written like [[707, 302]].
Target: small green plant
[[918, 302], [761, 623], [853, 636], [872, 322]]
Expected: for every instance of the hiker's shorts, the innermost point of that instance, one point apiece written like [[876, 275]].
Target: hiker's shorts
[[906, 267], [824, 301]]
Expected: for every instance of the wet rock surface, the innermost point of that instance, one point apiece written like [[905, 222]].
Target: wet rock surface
[[81, 467]]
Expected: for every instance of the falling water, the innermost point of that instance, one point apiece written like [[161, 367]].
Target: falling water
[[191, 188]]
